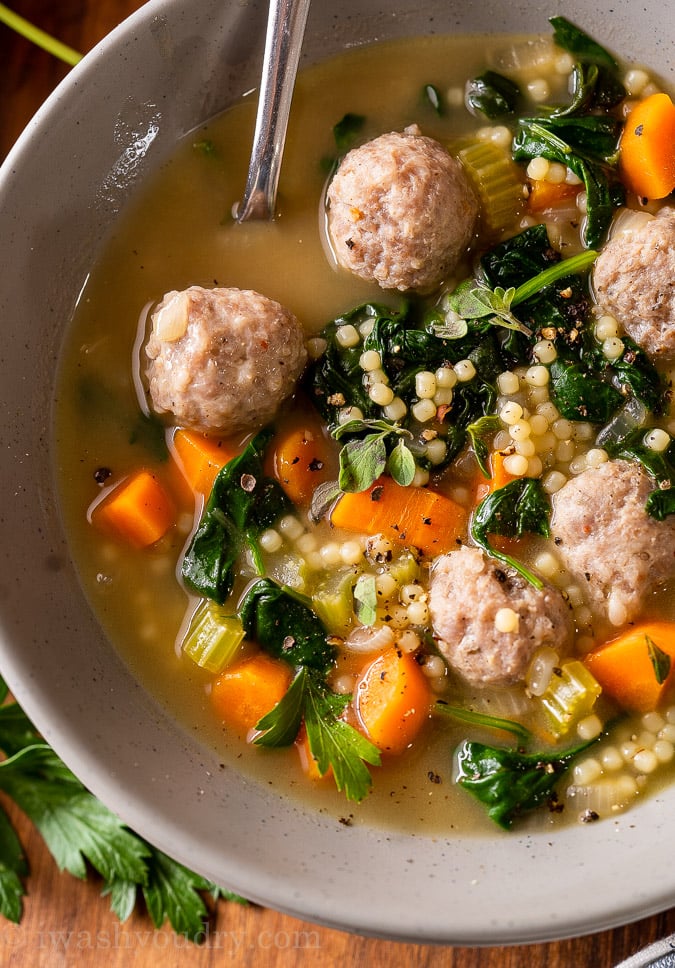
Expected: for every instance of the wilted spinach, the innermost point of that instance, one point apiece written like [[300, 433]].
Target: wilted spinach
[[243, 502], [520, 507], [492, 95], [285, 625], [508, 782]]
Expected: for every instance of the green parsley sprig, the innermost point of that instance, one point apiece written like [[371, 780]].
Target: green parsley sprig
[[81, 833]]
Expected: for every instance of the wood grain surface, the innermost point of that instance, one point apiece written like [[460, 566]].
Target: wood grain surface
[[67, 922]]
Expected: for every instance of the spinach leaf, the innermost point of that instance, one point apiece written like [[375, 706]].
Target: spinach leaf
[[510, 783], [243, 502], [660, 465], [284, 625], [592, 86], [661, 503], [588, 145], [580, 395], [347, 130], [492, 95], [518, 508], [572, 39], [477, 432], [635, 372]]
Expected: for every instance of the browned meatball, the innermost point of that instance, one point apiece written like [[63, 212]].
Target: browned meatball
[[401, 211], [634, 280], [606, 539], [222, 360], [468, 590]]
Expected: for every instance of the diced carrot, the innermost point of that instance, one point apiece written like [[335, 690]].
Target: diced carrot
[[415, 516], [626, 667], [545, 194], [393, 700], [139, 510], [647, 147], [500, 476], [307, 760], [246, 691], [302, 459], [200, 457]]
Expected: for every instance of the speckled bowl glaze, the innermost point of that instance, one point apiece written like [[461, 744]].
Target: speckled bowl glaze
[[115, 118]]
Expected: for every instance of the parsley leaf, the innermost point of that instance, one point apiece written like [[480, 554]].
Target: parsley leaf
[[79, 830], [332, 742], [12, 868], [73, 823], [172, 893]]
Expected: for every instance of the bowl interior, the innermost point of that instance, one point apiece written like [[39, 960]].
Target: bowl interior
[[113, 121]]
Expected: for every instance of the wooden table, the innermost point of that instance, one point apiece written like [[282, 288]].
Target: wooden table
[[66, 922]]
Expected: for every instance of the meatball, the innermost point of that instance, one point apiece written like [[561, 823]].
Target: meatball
[[468, 589], [634, 280], [608, 542], [222, 360], [401, 211]]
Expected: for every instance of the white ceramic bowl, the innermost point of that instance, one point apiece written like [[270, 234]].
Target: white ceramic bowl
[[66, 180]]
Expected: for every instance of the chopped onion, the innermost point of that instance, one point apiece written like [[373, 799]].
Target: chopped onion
[[171, 322], [366, 638]]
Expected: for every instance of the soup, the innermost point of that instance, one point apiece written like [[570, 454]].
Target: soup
[[404, 472]]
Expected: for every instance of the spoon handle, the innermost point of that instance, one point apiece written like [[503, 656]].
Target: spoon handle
[[285, 30]]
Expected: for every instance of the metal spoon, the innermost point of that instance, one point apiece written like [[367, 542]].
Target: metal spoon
[[285, 29]]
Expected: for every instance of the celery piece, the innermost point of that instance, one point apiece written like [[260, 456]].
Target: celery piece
[[333, 600], [405, 569], [571, 695], [213, 637], [497, 181]]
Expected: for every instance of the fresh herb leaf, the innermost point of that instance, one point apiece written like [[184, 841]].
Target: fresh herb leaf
[[510, 783], [13, 868], [659, 659], [284, 625], [401, 464], [242, 503], [77, 829], [279, 727], [362, 461], [518, 508], [172, 892], [365, 596], [332, 742], [476, 301], [73, 823], [492, 95], [336, 745]]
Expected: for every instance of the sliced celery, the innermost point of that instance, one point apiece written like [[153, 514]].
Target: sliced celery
[[571, 695], [333, 600], [405, 569], [496, 179], [213, 637]]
